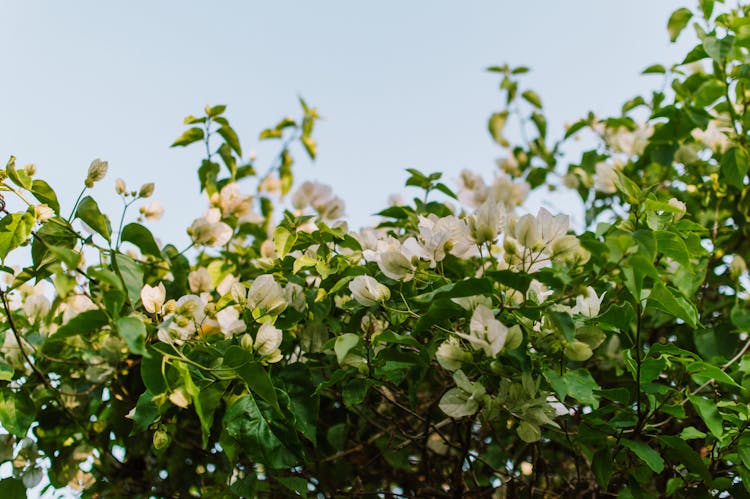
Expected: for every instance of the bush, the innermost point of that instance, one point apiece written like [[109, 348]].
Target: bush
[[457, 349]]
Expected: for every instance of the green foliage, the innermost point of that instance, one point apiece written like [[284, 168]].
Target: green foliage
[[459, 349]]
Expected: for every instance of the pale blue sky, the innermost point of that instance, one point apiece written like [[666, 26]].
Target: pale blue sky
[[401, 84]]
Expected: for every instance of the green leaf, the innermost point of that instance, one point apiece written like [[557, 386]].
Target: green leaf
[[344, 344], [681, 452], [142, 238], [646, 454], [656, 68], [190, 135], [529, 432], [21, 179], [734, 166], [44, 193], [578, 384], [519, 281], [15, 229], [495, 125], [707, 7], [214, 111], [718, 49], [85, 323], [88, 211], [467, 287], [532, 98], [231, 138], [709, 414], [283, 240], [245, 423], [673, 246], [131, 274], [17, 412], [146, 412], [629, 188], [12, 488], [671, 302], [677, 22], [602, 466], [252, 373], [153, 368], [133, 331], [206, 402], [703, 371]]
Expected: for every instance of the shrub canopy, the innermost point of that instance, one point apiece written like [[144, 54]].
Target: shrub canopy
[[463, 347]]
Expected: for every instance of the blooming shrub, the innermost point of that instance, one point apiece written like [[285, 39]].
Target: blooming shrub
[[462, 347]]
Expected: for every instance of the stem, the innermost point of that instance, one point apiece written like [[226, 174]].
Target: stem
[[75, 205]]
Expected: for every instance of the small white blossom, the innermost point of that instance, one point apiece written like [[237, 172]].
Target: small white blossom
[[209, 230], [152, 211], [368, 291], [153, 297], [485, 332]]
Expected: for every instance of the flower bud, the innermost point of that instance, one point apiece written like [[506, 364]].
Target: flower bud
[[246, 342], [676, 203], [368, 291], [97, 171], [30, 169], [146, 190], [120, 186]]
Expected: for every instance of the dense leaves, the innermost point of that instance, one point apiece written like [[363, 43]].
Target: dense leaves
[[462, 348]]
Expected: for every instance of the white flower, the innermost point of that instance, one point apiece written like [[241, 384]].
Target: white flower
[[76, 304], [368, 291], [395, 265], [295, 296], [229, 321], [588, 304], [232, 202], [714, 136], [153, 210], [268, 339], [605, 177], [153, 297], [225, 286], [504, 190], [199, 280], [485, 332], [266, 296], [486, 222], [676, 203], [36, 307], [310, 194], [209, 230], [450, 355], [472, 191], [42, 212]]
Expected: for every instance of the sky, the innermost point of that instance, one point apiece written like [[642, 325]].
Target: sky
[[399, 84]]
